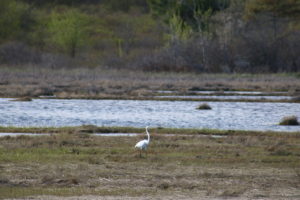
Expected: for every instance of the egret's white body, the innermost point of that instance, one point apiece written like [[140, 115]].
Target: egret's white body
[[143, 144]]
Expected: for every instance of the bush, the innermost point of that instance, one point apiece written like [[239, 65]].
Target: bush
[[296, 99], [68, 30], [290, 120], [16, 53], [15, 19], [204, 106], [177, 57]]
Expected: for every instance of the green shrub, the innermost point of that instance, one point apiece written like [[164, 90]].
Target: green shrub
[[15, 19], [68, 30]]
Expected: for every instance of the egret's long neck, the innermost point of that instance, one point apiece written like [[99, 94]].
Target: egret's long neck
[[148, 134]]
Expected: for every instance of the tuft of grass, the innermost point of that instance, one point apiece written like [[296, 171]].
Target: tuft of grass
[[289, 121], [281, 152], [163, 186], [233, 192], [204, 106]]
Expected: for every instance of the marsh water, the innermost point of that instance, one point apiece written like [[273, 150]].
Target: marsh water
[[244, 97], [23, 134], [213, 92], [135, 113]]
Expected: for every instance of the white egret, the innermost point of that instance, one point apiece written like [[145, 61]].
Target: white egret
[[143, 144]]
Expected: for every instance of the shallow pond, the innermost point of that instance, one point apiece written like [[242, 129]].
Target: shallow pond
[[213, 92], [240, 92], [233, 97], [23, 134], [177, 114]]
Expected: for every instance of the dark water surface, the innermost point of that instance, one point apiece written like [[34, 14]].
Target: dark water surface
[[177, 114]]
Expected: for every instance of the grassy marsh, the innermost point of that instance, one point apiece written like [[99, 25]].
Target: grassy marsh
[[157, 130], [99, 83], [73, 164]]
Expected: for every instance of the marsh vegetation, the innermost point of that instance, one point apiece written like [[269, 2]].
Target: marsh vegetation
[[290, 120], [101, 83], [70, 164], [204, 106]]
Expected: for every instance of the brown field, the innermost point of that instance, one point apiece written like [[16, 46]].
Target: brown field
[[80, 166], [103, 83]]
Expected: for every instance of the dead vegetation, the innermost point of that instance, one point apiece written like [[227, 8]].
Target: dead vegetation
[[204, 106], [22, 99], [289, 121], [76, 164], [106, 83]]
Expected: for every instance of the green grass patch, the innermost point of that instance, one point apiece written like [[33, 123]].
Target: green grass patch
[[22, 192], [153, 130]]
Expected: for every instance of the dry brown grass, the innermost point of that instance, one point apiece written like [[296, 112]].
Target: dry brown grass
[[175, 166], [104, 83], [22, 99]]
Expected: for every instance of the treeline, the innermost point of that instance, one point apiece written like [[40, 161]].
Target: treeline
[[155, 35]]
